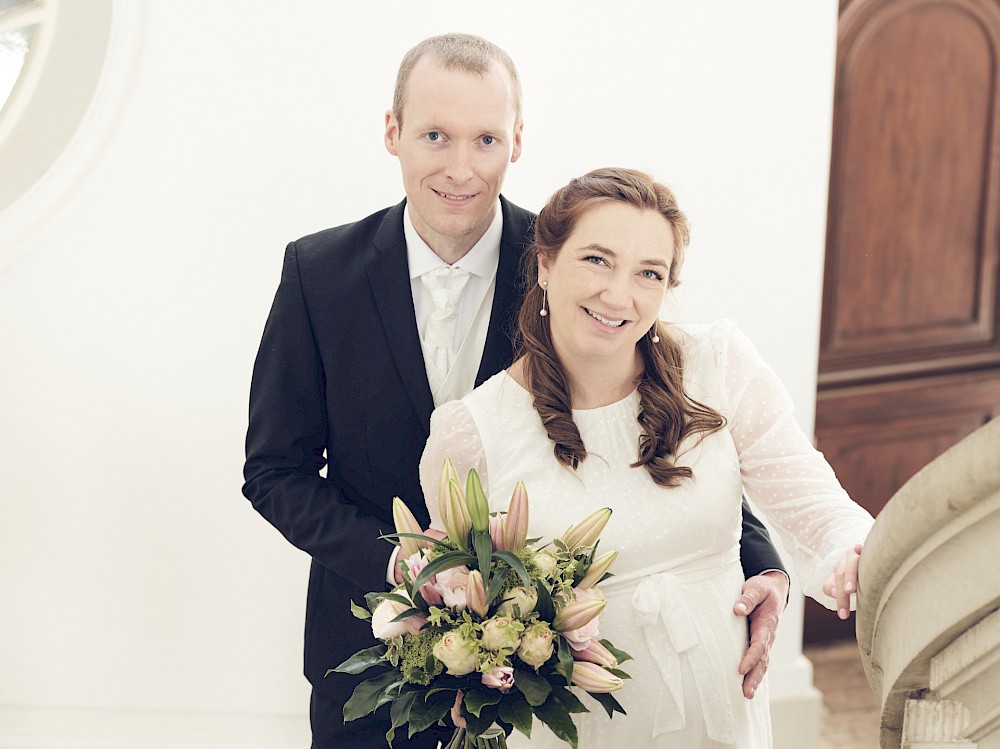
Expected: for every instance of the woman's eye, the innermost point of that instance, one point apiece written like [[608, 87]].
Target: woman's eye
[[488, 140], [652, 275], [595, 259]]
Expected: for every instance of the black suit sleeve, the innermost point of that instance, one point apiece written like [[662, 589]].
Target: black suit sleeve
[[757, 553], [286, 445]]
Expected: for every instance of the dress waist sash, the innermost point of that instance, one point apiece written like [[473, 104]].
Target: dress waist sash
[[663, 609]]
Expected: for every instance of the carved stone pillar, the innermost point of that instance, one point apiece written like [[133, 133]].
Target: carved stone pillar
[[935, 724]]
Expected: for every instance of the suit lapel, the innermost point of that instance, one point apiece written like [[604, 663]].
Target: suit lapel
[[388, 275], [498, 352]]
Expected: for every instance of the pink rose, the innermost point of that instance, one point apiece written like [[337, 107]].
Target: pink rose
[[383, 626], [499, 677], [451, 585]]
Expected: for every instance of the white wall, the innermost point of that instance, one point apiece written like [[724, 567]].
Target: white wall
[[134, 575]]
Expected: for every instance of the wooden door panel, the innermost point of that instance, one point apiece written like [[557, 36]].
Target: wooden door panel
[[911, 269]]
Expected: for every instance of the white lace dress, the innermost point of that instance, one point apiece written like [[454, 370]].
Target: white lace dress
[[678, 572]]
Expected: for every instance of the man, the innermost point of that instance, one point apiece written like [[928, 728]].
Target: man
[[363, 340]]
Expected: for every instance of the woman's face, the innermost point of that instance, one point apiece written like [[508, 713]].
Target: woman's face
[[607, 283]]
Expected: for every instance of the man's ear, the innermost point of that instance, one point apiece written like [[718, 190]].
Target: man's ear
[[391, 133], [516, 153]]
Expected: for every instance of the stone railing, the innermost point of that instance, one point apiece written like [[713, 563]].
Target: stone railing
[[928, 619]]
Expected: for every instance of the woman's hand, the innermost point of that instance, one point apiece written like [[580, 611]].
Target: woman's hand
[[843, 581]]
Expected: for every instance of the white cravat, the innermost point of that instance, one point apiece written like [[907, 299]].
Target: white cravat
[[445, 285]]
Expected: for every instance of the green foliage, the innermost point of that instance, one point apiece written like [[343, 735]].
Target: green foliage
[[362, 660]]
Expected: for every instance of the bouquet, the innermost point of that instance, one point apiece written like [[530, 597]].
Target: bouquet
[[488, 625]]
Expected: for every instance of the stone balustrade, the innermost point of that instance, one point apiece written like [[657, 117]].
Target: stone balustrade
[[928, 621]]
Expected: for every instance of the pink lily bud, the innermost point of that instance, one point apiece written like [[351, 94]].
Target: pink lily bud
[[595, 652], [475, 593], [455, 516], [406, 523], [497, 525], [587, 531], [577, 614], [592, 678], [597, 570], [516, 528]]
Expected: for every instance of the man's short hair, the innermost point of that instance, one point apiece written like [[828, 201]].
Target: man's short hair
[[465, 52]]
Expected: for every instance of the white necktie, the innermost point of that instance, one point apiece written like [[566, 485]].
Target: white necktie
[[445, 286]]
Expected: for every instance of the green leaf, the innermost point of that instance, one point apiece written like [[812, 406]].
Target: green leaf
[[428, 711], [406, 614], [421, 536], [621, 655], [556, 717], [535, 688], [516, 711], [515, 564], [477, 698], [545, 608], [497, 581], [360, 611], [367, 695], [566, 660], [442, 563], [569, 700], [619, 673], [483, 545], [373, 599], [362, 660], [397, 598], [476, 724], [399, 713], [609, 703]]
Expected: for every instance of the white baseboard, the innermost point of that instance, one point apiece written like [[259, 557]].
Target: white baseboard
[[57, 728]]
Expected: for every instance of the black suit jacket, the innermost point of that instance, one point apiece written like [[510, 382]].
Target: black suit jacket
[[339, 383]]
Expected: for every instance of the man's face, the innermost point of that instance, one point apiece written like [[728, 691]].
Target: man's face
[[457, 138]]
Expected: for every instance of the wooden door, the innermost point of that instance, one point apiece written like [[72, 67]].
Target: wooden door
[[910, 342]]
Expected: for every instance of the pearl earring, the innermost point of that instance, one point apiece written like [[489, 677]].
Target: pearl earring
[[545, 293], [656, 335]]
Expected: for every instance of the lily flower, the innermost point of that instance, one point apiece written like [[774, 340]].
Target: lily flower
[[479, 505], [592, 678], [587, 531], [597, 570], [516, 525], [498, 524], [475, 593], [448, 474], [455, 516], [577, 614], [595, 652], [404, 521]]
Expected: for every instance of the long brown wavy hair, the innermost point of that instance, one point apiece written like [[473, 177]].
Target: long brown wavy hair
[[666, 414]]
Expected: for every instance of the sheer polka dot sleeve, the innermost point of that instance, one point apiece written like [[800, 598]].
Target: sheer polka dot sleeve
[[783, 474], [455, 436]]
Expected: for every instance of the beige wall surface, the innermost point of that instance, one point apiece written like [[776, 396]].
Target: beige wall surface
[[135, 577]]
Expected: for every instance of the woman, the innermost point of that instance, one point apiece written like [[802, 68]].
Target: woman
[[666, 424]]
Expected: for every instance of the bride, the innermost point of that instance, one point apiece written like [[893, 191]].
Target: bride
[[668, 425]]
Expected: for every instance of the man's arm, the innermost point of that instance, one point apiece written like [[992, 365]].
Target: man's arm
[[286, 442], [757, 553]]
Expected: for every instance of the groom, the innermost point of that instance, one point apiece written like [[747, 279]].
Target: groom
[[349, 368]]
